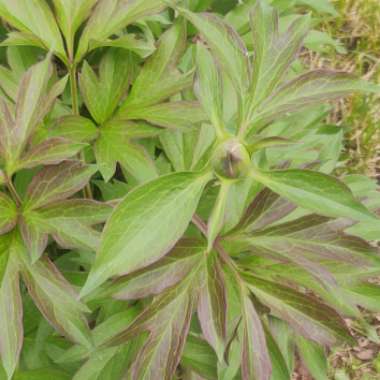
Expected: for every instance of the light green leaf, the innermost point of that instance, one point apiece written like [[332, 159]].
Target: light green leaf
[[37, 18], [70, 15], [102, 94], [115, 145], [226, 46], [320, 6], [8, 214], [74, 128], [218, 214], [176, 115], [306, 90], [158, 211], [159, 78], [131, 42], [313, 357], [110, 16], [209, 88], [315, 191]]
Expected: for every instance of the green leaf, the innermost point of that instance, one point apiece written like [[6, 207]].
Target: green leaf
[[115, 144], [313, 357], [159, 78], [209, 87], [315, 191], [102, 94], [56, 300], [225, 44], [36, 18], [110, 16], [200, 358], [212, 306], [320, 6], [305, 313], [255, 359], [101, 334], [50, 152], [74, 128], [153, 210], [54, 183], [131, 42], [42, 374], [8, 214], [176, 115], [306, 90], [70, 15], [11, 323]]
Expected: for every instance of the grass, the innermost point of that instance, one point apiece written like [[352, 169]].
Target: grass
[[358, 28]]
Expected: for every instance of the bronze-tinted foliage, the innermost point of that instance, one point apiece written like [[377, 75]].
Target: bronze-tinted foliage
[[157, 221]]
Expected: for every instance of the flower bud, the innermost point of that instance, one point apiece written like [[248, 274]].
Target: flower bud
[[231, 160]]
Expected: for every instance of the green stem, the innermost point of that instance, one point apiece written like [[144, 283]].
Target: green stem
[[75, 105], [74, 89]]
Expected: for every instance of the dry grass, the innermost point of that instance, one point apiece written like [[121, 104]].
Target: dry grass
[[358, 28]]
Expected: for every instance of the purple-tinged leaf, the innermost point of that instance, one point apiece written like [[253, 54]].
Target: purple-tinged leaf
[[2, 177], [35, 237], [273, 53], [50, 152], [212, 306], [167, 319], [86, 211], [255, 359], [158, 211], [305, 313], [161, 353], [266, 208], [11, 324], [7, 125], [8, 214], [56, 300], [54, 183], [34, 100], [156, 278]]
